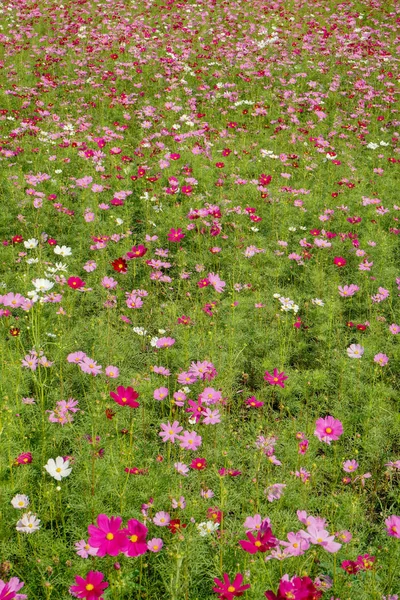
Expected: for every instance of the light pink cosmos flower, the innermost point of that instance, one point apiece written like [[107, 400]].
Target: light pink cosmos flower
[[275, 491], [88, 365], [297, 544], [328, 429], [76, 357], [355, 351], [84, 550], [211, 417], [348, 290], [112, 372], [165, 342], [181, 503], [160, 393], [349, 466], [155, 545], [393, 526], [182, 468], [189, 440], [216, 282], [321, 537], [161, 519], [109, 283], [381, 359], [254, 523]]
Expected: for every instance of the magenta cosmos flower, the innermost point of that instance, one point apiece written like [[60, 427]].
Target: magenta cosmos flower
[[263, 542], [125, 396], [75, 283], [227, 590], [91, 588], [8, 590], [328, 430], [136, 533], [107, 536], [393, 526], [275, 379]]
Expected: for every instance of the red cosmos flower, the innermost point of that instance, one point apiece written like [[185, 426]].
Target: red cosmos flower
[[137, 251], [226, 152], [90, 588], [183, 320], [275, 379], [227, 590], [339, 261], [175, 235], [203, 283], [186, 190], [198, 464], [52, 242], [120, 265], [220, 165], [17, 239], [265, 179], [24, 459], [214, 514], [76, 283], [174, 156], [350, 566], [14, 331], [110, 413], [125, 396], [175, 525], [263, 542]]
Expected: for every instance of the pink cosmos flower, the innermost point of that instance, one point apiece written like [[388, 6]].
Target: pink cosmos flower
[[189, 440], [109, 283], [8, 590], [90, 588], [316, 535], [155, 545], [297, 544], [90, 366], [165, 342], [112, 372], [84, 550], [216, 282], [328, 429], [136, 533], [162, 519], [348, 290], [107, 536], [275, 491], [76, 357], [393, 526], [349, 466], [381, 359], [170, 432], [254, 523], [160, 393]]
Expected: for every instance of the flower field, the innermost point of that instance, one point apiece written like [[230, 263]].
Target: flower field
[[199, 302]]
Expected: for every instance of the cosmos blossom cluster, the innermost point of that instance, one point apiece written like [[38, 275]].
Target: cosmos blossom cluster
[[199, 299]]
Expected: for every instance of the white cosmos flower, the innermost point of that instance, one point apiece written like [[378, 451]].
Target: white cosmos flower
[[42, 285], [31, 243], [20, 501], [317, 302], [28, 523], [63, 250], [207, 528], [58, 468]]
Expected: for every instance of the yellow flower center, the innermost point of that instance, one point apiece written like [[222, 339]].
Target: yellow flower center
[[257, 543], [276, 379], [89, 587], [110, 536], [123, 399], [328, 430], [155, 547], [20, 503], [231, 589], [30, 525], [58, 470], [134, 538]]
